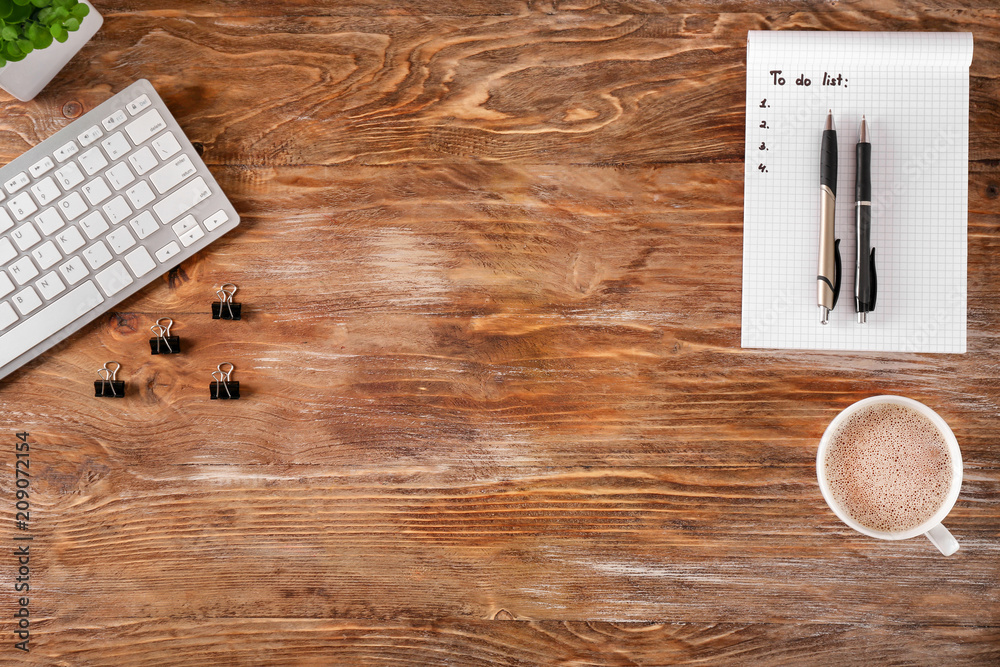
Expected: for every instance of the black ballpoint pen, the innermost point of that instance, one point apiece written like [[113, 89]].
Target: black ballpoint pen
[[828, 273], [865, 281]]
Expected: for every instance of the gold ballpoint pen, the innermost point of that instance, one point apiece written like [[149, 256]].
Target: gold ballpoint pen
[[828, 274]]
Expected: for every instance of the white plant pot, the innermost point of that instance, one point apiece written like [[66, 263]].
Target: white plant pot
[[26, 78]]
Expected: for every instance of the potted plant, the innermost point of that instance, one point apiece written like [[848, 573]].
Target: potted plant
[[38, 38]]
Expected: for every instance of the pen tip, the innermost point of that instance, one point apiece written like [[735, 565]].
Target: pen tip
[[829, 121], [863, 138]]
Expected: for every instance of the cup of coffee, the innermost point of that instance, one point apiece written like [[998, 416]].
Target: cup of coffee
[[890, 468]]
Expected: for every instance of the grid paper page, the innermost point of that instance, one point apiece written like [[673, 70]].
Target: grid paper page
[[913, 89]]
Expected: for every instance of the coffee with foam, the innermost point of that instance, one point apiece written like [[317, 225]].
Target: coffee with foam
[[888, 467]]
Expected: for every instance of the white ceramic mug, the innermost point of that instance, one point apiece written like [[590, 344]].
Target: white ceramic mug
[[932, 528]]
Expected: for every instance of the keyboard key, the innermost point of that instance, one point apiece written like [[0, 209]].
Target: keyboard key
[[114, 120], [119, 176], [26, 300], [168, 251], [144, 224], [50, 286], [140, 194], [142, 160], [16, 183], [25, 236], [7, 251], [49, 221], [181, 200], [6, 286], [45, 190], [42, 166], [114, 279], [143, 128], [140, 262], [69, 176], [192, 235], [97, 255], [72, 206], [5, 220], [66, 151], [90, 136], [186, 223], [216, 219], [22, 206], [73, 271], [70, 240], [116, 145], [166, 145], [117, 210], [46, 255], [22, 270], [93, 161], [138, 104], [174, 172], [121, 240], [94, 225], [7, 315], [97, 191], [59, 314]]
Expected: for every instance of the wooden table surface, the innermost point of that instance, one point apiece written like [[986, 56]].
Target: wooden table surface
[[495, 406]]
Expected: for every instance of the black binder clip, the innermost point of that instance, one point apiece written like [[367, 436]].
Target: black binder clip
[[109, 386], [225, 309], [224, 388], [164, 343]]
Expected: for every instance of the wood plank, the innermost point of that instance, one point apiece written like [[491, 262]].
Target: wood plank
[[564, 89], [538, 316], [927, 8], [132, 539], [282, 641]]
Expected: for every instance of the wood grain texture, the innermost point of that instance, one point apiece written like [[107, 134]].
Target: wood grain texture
[[510, 643], [495, 409]]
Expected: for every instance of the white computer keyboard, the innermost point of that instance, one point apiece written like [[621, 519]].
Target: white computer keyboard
[[96, 212]]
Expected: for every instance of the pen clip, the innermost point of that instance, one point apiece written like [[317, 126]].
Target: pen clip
[[838, 267], [874, 291]]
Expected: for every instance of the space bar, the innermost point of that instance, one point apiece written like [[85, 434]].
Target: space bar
[[48, 321]]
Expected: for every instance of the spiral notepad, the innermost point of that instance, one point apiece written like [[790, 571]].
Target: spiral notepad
[[913, 89]]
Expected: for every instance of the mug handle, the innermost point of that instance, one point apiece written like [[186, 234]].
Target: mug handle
[[942, 539]]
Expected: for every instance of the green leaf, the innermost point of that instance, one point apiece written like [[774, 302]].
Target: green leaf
[[72, 24], [19, 13], [21, 2], [59, 33], [80, 11], [6, 7], [10, 48], [42, 38], [3, 61], [9, 33], [41, 3], [25, 46]]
